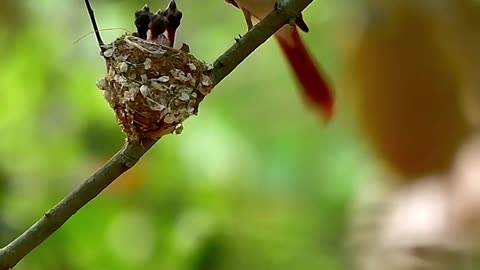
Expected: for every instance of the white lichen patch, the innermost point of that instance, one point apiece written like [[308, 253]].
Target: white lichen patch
[[184, 97], [108, 52], [179, 75], [101, 84], [192, 66], [164, 79], [205, 84], [206, 81], [130, 94], [208, 67], [144, 90], [187, 90], [123, 67], [169, 119], [158, 86], [120, 79], [148, 63]]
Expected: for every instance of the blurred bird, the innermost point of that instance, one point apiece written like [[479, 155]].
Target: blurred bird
[[406, 84], [315, 87], [410, 68]]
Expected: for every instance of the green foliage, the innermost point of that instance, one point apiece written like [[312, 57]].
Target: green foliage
[[254, 182]]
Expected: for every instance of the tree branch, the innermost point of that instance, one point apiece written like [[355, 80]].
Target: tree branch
[[128, 156], [68, 206], [243, 47]]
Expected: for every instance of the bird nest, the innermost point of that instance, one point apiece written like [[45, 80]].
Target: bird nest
[[152, 88]]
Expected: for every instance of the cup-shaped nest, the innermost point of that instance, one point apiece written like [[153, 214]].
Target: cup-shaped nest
[[152, 88]]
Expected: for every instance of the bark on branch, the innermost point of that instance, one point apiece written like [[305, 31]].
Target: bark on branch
[[129, 155]]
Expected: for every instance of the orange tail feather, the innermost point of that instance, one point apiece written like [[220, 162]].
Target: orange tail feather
[[315, 87]]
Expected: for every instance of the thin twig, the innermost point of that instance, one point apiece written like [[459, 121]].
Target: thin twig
[[94, 24], [128, 156]]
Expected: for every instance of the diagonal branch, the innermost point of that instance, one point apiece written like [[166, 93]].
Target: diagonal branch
[[128, 156], [68, 206], [235, 55]]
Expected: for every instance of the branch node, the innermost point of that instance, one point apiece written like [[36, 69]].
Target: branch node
[[49, 213], [238, 38], [278, 6], [292, 21], [129, 161]]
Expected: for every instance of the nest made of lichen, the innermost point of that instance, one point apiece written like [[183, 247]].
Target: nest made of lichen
[[152, 88]]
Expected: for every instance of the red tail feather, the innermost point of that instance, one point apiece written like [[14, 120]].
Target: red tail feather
[[315, 87]]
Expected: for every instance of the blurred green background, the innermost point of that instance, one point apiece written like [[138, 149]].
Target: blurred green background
[[255, 181]]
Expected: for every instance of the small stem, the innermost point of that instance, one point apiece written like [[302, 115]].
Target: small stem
[[94, 24]]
